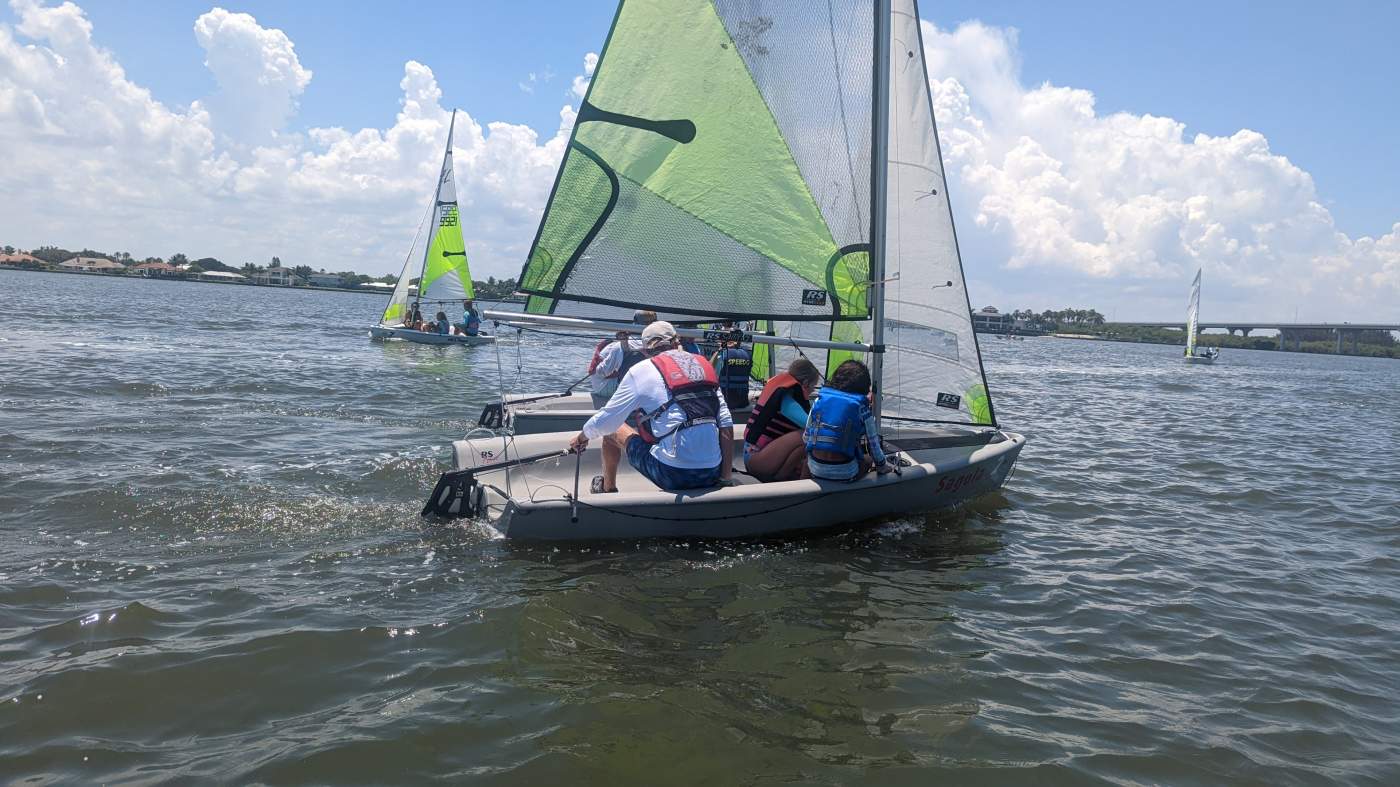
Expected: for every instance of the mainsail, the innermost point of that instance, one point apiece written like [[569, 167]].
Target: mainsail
[[1193, 314], [443, 274], [722, 164]]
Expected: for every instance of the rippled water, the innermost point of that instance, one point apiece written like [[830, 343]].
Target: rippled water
[[213, 568]]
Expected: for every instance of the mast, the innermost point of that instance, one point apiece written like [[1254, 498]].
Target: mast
[[879, 177], [437, 205]]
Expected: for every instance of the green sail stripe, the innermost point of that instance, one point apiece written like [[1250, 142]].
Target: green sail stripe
[[447, 255], [736, 174], [843, 332]]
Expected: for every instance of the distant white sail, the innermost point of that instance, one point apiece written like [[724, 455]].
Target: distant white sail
[[1193, 314]]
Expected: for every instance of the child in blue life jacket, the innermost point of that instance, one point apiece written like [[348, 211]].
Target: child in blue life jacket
[[840, 418]]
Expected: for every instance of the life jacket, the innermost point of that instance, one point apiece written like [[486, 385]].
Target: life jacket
[[630, 358], [442, 326], [691, 384], [735, 365], [836, 423], [472, 320], [768, 422]]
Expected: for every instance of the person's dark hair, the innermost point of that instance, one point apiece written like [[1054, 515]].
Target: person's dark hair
[[441, 316], [852, 377], [804, 372]]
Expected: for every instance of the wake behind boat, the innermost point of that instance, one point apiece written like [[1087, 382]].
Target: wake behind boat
[[747, 200], [444, 282]]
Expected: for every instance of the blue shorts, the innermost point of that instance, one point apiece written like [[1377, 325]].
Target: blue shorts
[[665, 476], [845, 471]]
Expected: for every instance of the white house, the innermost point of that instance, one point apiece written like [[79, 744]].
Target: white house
[[277, 276], [326, 280]]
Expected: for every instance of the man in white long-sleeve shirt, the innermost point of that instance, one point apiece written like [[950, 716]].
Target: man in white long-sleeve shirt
[[686, 439]]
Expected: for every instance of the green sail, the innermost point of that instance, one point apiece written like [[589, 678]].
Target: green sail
[[445, 272], [679, 177]]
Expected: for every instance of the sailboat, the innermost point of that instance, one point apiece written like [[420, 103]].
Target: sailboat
[[1193, 314], [444, 279], [783, 166]]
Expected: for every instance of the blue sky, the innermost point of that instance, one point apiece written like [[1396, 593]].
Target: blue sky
[[1095, 190], [1319, 80]]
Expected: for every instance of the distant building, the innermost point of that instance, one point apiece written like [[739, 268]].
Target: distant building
[[378, 285], [326, 280], [91, 265], [989, 320], [277, 276], [21, 260], [228, 276], [154, 269]]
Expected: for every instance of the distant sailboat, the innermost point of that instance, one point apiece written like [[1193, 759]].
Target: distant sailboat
[[444, 279], [1193, 314]]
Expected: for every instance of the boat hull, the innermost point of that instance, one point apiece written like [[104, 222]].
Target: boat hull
[[562, 414], [532, 502], [1199, 359], [422, 337]]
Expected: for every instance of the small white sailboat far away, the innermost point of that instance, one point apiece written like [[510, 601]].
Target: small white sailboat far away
[[727, 164], [444, 279], [1196, 354]]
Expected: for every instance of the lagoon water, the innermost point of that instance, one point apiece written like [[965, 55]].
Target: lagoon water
[[212, 568]]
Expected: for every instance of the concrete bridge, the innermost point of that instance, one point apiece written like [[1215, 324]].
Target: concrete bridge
[[1287, 331]]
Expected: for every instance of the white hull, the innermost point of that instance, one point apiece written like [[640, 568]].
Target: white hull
[[560, 414], [423, 337], [1206, 359], [533, 501]]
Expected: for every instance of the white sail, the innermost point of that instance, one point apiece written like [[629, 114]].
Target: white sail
[[397, 310], [1193, 314], [446, 277], [932, 368]]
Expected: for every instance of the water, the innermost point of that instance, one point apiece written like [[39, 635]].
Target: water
[[213, 568]]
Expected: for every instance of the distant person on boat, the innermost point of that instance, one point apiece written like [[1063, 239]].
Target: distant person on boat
[[441, 326], [471, 319], [841, 438], [773, 440], [415, 318], [686, 435], [734, 363], [612, 358]]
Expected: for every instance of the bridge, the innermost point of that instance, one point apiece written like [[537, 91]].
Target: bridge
[[1287, 331]]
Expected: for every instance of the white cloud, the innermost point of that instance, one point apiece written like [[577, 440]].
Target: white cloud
[[1058, 204], [134, 174], [258, 74], [590, 64], [1101, 202]]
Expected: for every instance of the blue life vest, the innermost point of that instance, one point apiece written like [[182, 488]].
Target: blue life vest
[[836, 423], [735, 363], [472, 321], [442, 326]]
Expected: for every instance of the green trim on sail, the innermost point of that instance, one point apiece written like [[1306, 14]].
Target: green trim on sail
[[762, 367], [674, 110], [447, 254], [844, 332], [979, 404], [393, 314]]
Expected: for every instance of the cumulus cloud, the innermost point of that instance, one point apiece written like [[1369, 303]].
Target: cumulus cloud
[[134, 174], [1058, 203], [580, 86], [1108, 201], [258, 74]]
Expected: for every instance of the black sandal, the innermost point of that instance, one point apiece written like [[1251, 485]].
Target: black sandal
[[596, 486]]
